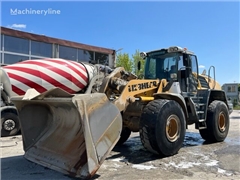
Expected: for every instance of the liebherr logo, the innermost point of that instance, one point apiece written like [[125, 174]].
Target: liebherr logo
[[30, 11]]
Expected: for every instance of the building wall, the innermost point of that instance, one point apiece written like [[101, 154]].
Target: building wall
[[231, 90], [17, 46]]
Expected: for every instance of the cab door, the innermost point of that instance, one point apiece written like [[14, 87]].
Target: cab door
[[193, 73], [188, 73]]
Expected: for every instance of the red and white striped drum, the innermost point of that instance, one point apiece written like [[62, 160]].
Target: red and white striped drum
[[44, 74]]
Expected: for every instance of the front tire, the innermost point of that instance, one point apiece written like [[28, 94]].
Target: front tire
[[10, 124], [125, 133], [217, 122], [162, 127]]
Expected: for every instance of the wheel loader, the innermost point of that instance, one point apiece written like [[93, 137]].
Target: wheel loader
[[74, 132]]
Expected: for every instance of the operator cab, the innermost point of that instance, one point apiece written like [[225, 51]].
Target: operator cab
[[174, 64]]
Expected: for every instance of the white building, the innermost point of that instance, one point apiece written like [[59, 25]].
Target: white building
[[231, 90]]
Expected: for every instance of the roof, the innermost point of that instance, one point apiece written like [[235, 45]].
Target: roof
[[226, 84], [46, 39]]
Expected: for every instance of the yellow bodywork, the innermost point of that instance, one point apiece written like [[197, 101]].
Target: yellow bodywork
[[73, 134], [213, 84]]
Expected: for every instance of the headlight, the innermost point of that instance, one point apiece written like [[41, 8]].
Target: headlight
[[175, 49], [173, 76]]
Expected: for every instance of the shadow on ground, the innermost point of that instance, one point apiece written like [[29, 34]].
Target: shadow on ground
[[132, 150], [235, 117], [17, 167], [193, 139]]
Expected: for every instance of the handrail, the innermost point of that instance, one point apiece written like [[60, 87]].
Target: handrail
[[213, 75]]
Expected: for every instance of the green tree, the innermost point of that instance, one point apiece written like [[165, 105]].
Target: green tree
[[123, 60], [234, 102], [136, 59]]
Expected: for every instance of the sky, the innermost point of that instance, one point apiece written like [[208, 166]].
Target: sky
[[208, 28]]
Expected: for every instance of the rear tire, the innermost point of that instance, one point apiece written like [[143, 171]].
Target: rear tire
[[10, 124], [126, 132], [162, 127], [217, 122]]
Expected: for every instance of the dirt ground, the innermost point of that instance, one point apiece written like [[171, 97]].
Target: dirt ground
[[195, 160]]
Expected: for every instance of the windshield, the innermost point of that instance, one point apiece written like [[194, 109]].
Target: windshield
[[161, 65]]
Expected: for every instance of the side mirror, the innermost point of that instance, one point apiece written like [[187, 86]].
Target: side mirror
[[139, 65]]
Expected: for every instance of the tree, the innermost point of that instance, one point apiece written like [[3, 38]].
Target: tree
[[235, 102], [123, 60], [136, 59]]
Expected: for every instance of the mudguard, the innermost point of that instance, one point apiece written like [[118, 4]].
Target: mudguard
[[71, 134]]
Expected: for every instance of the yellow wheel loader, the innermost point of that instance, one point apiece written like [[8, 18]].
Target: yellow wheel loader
[[73, 133]]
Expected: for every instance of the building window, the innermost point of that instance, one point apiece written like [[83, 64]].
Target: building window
[[14, 44], [67, 53], [1, 58], [81, 55], [41, 49], [85, 56], [231, 89], [10, 58], [101, 58], [32, 57], [1, 42]]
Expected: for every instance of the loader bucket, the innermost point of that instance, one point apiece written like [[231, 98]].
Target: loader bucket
[[71, 134]]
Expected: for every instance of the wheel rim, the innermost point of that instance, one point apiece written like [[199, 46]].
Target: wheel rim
[[9, 125], [172, 128], [221, 122]]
